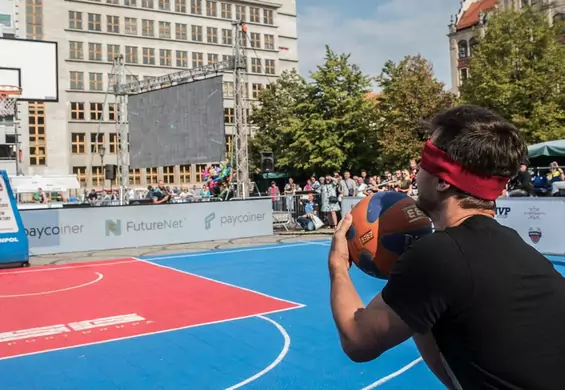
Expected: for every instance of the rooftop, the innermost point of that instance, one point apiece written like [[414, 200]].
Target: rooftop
[[470, 16]]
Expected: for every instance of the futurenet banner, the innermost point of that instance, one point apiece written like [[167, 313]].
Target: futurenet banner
[[101, 228]]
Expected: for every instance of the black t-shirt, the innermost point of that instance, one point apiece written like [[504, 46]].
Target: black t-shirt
[[495, 306]]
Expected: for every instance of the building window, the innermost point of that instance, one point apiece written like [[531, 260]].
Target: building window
[[229, 146], [147, 4], [229, 117], [113, 139], [227, 36], [130, 26], [463, 75], [181, 32], [96, 111], [254, 15], [165, 5], [96, 141], [256, 90], [34, 18], [180, 6], [226, 11], [269, 42], [98, 178], [165, 30], [255, 65], [75, 50], [95, 82], [463, 49], [37, 144], [197, 33], [200, 169], [472, 46], [135, 176], [112, 112], [211, 8], [268, 16], [165, 57], [196, 7], [94, 22], [197, 60], [77, 111], [148, 56], [95, 51], [184, 174], [112, 52], [75, 20], [113, 24], [228, 89], [131, 55], [269, 66], [77, 80], [78, 143], [130, 3], [151, 175], [147, 28], [212, 34], [255, 40], [182, 59], [240, 14], [169, 174], [80, 173], [212, 59]]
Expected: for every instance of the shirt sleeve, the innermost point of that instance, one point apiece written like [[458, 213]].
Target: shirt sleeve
[[426, 281]]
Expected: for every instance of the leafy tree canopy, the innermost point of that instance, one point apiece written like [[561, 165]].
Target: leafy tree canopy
[[517, 69]]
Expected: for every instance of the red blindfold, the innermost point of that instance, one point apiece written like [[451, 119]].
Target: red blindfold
[[438, 163]]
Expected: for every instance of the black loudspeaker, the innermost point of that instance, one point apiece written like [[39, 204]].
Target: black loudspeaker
[[110, 171], [267, 161]]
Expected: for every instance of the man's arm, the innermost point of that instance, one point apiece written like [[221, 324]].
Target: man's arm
[[365, 332], [430, 353]]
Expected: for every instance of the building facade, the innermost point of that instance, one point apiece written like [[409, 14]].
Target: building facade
[[468, 24], [156, 37]]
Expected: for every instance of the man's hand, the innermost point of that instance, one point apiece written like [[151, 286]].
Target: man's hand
[[339, 252]]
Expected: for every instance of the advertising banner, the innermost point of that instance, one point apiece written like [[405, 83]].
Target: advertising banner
[[101, 228], [14, 247], [539, 221]]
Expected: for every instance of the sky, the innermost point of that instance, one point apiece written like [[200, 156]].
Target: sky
[[374, 31]]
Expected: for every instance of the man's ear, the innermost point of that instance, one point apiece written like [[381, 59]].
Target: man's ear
[[442, 185]]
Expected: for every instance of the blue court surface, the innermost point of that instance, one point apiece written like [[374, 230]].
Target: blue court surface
[[291, 349]]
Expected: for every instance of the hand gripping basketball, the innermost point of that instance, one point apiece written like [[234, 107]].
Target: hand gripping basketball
[[339, 252]]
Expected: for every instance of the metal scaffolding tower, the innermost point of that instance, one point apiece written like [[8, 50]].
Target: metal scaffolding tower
[[237, 64]]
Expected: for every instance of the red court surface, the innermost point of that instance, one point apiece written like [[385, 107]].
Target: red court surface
[[57, 307]]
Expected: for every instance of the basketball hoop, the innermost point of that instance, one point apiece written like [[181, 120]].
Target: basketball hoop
[[9, 95]]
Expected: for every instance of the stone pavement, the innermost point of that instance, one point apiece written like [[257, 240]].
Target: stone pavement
[[285, 237]]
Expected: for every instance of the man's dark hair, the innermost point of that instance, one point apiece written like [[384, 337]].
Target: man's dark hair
[[483, 142]]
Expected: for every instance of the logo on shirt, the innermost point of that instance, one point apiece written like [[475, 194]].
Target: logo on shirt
[[535, 234], [365, 238], [413, 213]]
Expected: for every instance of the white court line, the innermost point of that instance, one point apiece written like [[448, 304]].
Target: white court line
[[152, 333], [275, 362], [387, 378], [99, 278], [221, 252], [300, 305], [99, 263]]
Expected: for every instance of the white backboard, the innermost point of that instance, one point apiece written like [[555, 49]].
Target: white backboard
[[31, 65]]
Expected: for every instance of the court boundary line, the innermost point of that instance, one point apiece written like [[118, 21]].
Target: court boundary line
[[393, 375], [153, 333], [41, 268], [98, 278], [282, 354], [299, 305]]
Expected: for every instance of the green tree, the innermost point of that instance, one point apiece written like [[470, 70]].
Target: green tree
[[327, 124], [276, 108], [517, 69], [410, 96]]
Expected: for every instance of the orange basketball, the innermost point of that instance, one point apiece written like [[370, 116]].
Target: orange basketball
[[383, 226]]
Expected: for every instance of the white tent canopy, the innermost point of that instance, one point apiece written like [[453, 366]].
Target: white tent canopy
[[48, 183]]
